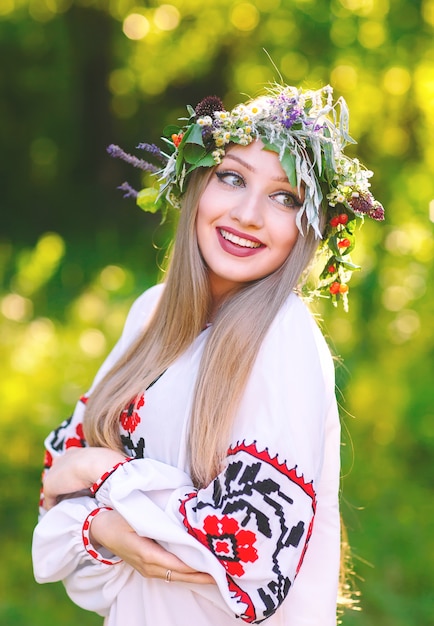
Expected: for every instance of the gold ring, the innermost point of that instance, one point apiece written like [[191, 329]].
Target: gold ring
[[168, 576]]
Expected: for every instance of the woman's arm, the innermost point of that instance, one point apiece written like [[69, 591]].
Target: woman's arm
[[146, 556]]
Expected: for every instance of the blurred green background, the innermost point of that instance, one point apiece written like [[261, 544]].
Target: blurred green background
[[76, 75]]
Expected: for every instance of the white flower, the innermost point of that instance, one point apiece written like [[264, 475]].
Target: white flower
[[216, 155], [221, 115], [205, 121]]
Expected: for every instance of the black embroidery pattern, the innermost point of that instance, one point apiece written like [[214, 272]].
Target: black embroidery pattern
[[257, 514], [135, 450]]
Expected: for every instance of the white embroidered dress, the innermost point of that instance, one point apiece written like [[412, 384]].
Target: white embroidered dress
[[266, 529]]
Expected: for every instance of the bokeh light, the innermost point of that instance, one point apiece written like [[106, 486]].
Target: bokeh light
[[136, 26]]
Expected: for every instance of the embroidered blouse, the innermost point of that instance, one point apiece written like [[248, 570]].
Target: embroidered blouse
[[267, 528]]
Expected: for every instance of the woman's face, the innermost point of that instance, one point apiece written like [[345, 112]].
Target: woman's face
[[246, 218]]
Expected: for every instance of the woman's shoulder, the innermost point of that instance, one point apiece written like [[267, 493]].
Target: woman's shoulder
[[147, 300], [142, 309], [297, 326], [296, 311]]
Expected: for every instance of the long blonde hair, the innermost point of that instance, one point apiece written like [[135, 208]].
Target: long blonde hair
[[235, 337]]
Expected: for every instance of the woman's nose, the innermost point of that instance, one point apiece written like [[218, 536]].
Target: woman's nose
[[248, 210]]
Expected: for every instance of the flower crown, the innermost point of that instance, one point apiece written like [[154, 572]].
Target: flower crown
[[308, 131]]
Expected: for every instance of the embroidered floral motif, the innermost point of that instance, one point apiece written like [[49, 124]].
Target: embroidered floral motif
[[78, 441], [130, 418], [231, 545]]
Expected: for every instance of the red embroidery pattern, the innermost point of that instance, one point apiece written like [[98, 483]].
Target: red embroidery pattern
[[48, 459], [231, 545], [78, 441], [129, 417], [86, 539], [104, 477]]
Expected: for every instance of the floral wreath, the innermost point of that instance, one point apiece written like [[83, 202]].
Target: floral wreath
[[308, 131]]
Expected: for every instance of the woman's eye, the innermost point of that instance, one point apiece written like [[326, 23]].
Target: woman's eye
[[287, 200], [231, 178]]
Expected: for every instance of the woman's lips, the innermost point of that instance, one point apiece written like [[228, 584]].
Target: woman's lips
[[237, 243]]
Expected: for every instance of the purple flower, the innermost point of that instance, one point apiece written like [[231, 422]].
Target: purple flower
[[117, 153], [289, 112], [130, 192], [291, 117], [154, 150]]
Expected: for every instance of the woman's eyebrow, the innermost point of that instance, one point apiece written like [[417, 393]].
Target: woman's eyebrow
[[241, 161]]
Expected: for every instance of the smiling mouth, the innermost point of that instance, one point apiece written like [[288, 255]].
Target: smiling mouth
[[239, 241]]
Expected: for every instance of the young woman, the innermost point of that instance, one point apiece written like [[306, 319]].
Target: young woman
[[197, 481]]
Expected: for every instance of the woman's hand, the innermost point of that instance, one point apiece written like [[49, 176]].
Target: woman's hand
[[76, 470], [151, 560]]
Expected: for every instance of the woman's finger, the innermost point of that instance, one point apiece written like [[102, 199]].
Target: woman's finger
[[199, 578]]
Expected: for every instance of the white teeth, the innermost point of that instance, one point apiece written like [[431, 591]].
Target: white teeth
[[240, 241]]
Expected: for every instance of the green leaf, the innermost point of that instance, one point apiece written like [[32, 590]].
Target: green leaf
[[194, 135], [347, 265], [288, 164], [206, 161], [171, 130], [193, 153], [269, 146], [147, 200], [325, 272]]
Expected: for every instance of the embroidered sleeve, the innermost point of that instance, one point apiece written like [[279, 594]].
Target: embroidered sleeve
[[256, 518]]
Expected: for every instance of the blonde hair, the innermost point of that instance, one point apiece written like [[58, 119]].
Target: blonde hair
[[235, 337]]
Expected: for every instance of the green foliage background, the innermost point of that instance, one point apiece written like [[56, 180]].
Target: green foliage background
[[76, 75]]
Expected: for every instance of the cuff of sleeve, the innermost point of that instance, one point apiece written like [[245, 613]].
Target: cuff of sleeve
[[98, 556], [104, 477]]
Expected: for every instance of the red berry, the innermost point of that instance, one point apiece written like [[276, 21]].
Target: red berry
[[344, 243], [335, 288], [331, 269], [334, 221], [177, 139], [343, 218]]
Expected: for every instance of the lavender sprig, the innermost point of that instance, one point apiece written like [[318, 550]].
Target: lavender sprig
[[117, 153], [154, 150], [129, 192]]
